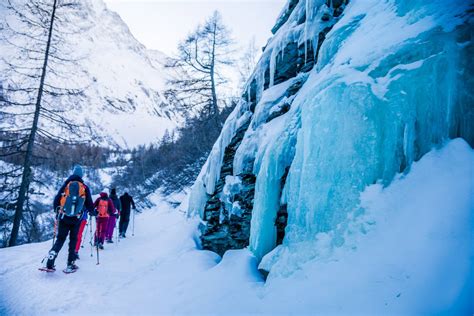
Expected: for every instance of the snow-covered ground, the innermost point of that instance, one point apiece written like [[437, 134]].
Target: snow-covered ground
[[410, 253]]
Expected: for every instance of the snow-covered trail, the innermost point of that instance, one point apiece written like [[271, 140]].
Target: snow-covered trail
[[409, 253], [142, 274]]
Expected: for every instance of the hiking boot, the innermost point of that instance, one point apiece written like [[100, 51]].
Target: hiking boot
[[110, 241], [72, 265], [51, 257], [101, 246], [77, 255]]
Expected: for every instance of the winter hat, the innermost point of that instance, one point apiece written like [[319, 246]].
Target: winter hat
[[77, 171], [113, 191]]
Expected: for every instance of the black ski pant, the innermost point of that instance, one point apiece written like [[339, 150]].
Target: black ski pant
[[123, 225], [67, 225]]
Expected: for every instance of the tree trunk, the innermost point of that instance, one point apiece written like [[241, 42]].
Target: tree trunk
[[26, 177], [215, 109]]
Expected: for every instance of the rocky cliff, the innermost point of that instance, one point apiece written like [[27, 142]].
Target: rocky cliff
[[346, 94]]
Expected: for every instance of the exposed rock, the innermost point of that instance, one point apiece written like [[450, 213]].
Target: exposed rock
[[222, 231], [306, 57], [296, 86], [285, 15], [251, 95], [286, 63], [282, 214], [321, 38], [283, 109], [266, 78]]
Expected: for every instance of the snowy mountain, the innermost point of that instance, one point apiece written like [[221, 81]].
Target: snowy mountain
[[122, 80], [345, 96]]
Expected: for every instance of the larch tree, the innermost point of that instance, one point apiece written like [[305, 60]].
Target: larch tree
[[200, 67], [38, 91]]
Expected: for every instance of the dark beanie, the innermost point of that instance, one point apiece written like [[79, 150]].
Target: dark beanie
[[77, 171]]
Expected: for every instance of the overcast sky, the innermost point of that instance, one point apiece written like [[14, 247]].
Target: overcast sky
[[161, 24]]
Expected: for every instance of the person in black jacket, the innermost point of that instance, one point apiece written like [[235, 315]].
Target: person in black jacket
[[126, 201], [69, 224]]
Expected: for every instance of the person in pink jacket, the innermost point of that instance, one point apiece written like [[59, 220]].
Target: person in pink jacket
[[103, 208]]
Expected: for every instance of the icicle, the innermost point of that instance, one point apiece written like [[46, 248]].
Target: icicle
[[305, 39], [248, 91], [451, 79], [272, 67], [405, 142], [260, 83]]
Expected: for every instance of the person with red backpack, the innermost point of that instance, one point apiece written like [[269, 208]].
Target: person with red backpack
[[71, 202], [104, 209]]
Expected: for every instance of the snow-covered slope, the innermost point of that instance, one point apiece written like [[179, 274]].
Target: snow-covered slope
[[409, 254], [122, 80], [346, 94]]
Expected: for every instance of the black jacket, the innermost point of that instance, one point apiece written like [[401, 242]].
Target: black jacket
[[126, 201], [88, 204], [115, 199]]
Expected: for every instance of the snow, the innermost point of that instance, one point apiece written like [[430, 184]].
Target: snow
[[408, 251], [122, 81], [232, 187]]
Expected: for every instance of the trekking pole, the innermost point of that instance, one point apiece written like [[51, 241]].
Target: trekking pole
[[85, 235], [90, 228], [55, 227], [117, 232], [133, 223], [98, 231]]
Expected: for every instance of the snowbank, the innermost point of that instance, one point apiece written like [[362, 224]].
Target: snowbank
[[408, 249]]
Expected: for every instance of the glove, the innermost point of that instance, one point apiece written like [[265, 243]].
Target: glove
[[117, 215]]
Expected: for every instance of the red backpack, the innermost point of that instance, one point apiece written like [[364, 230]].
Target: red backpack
[[103, 207]]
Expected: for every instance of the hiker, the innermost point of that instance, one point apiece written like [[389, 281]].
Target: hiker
[[72, 201], [126, 201], [82, 225], [104, 208], [113, 217]]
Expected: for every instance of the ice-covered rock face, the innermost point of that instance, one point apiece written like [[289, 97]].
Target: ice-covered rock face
[[392, 79]]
